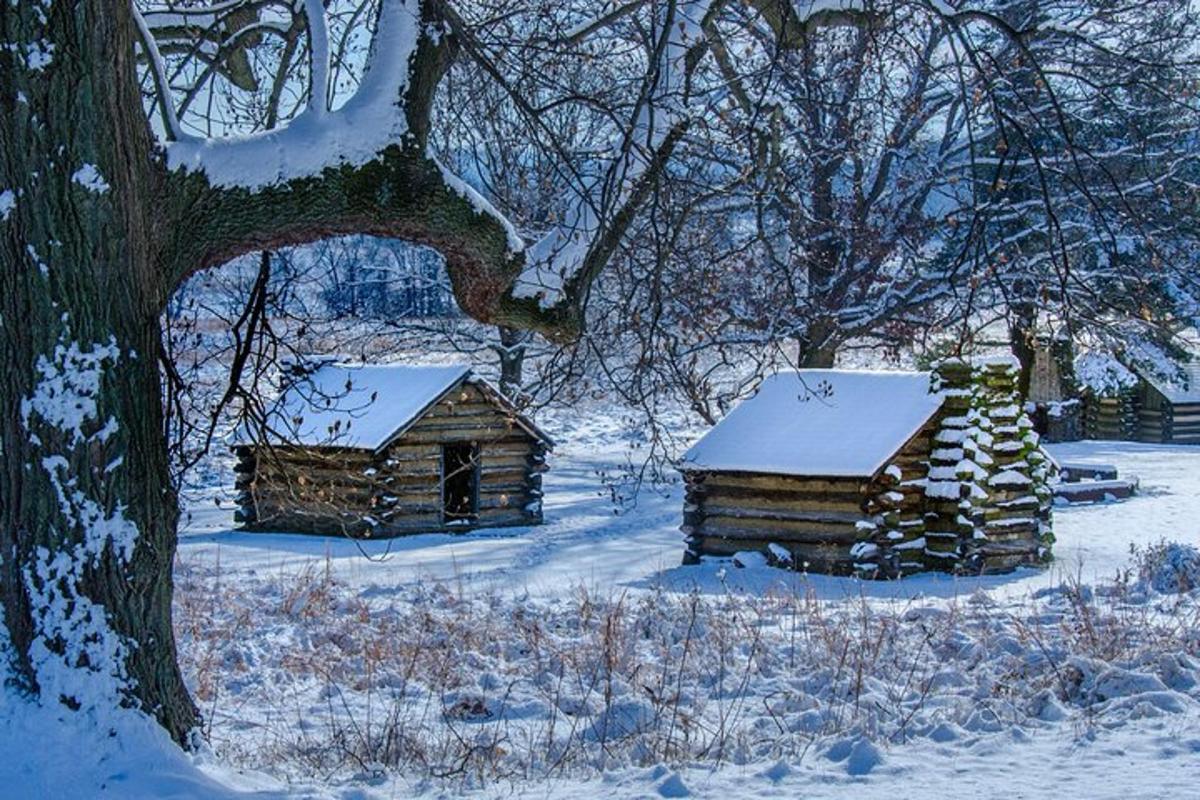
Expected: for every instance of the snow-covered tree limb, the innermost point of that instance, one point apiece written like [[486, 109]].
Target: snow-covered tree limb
[[560, 266], [377, 116]]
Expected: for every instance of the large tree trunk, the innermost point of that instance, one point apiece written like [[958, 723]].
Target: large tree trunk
[[95, 233], [817, 347], [511, 353], [817, 344], [1023, 340], [87, 510]]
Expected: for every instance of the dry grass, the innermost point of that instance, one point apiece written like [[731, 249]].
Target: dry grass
[[301, 674]]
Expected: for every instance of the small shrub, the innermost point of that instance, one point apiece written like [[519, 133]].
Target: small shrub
[[1169, 567]]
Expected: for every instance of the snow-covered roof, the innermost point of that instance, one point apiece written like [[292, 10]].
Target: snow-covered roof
[[362, 405], [819, 422], [1101, 372], [1181, 384]]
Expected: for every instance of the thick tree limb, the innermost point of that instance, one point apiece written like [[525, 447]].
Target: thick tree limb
[[402, 193]]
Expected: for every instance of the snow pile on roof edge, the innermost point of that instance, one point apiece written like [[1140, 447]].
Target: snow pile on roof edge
[[1103, 373]]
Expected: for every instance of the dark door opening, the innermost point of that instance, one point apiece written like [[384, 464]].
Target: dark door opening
[[460, 482]]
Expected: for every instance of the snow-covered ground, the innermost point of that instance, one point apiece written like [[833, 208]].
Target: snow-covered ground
[[1141, 741], [580, 659], [1094, 541], [584, 541]]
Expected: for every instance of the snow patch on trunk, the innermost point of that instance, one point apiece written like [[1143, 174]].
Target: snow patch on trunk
[[89, 177], [75, 654], [8, 201]]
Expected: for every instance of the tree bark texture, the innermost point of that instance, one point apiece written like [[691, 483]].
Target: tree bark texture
[[88, 510], [817, 346], [1022, 337], [95, 235], [511, 354]]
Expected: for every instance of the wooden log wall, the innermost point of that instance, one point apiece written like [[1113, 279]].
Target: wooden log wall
[[1161, 421], [1114, 418], [892, 541], [308, 490], [1183, 424], [365, 494], [511, 459], [815, 520], [1153, 415], [952, 491], [1013, 520]]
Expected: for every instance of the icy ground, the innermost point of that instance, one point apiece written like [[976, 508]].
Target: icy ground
[[578, 659]]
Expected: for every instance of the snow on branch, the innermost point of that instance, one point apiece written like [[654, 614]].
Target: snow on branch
[[318, 37], [556, 259], [195, 16], [1102, 373], [158, 70], [811, 10], [315, 140], [481, 205], [210, 25]]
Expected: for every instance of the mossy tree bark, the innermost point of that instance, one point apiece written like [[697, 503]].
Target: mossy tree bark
[[87, 510], [1022, 336], [95, 234]]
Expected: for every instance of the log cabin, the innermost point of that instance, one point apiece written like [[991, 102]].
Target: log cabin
[[1168, 407], [877, 474], [383, 450], [1142, 404]]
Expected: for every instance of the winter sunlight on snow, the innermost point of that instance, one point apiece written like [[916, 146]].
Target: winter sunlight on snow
[[599, 399]]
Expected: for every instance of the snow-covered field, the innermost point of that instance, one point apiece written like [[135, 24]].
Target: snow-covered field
[[585, 542], [580, 659]]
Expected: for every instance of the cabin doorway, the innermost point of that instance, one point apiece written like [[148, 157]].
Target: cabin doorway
[[460, 482]]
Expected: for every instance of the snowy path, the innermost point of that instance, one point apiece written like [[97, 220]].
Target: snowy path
[[585, 543]]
